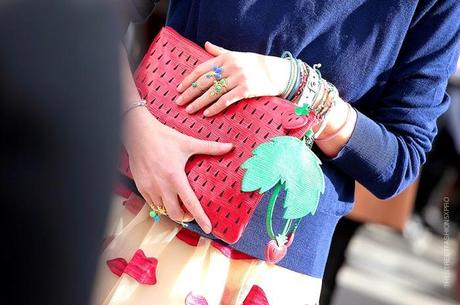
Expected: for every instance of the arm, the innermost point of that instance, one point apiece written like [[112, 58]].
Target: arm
[[158, 154], [249, 75], [389, 145], [383, 151]]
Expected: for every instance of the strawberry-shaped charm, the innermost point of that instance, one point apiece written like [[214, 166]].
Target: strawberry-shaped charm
[[274, 253], [285, 164]]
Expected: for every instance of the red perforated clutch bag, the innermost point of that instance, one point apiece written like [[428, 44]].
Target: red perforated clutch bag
[[248, 123]]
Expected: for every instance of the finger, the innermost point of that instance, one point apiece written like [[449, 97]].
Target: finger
[[199, 70], [145, 193], [209, 147], [224, 101], [153, 200], [148, 199], [192, 204], [211, 95], [213, 49], [192, 92], [188, 217], [172, 206]]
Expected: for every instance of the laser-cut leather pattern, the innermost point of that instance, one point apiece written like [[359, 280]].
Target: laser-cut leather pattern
[[248, 123]]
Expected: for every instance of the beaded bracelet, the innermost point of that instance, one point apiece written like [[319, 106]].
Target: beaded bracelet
[[306, 86], [303, 81]]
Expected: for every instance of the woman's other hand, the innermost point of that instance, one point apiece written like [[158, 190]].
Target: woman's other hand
[[246, 75], [157, 158]]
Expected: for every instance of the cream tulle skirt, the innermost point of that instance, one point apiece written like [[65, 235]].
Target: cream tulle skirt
[[159, 263]]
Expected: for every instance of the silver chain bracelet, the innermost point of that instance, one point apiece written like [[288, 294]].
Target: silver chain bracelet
[[136, 104]]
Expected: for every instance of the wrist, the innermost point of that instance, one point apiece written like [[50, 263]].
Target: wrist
[[140, 103], [338, 130], [135, 124], [280, 75], [335, 120]]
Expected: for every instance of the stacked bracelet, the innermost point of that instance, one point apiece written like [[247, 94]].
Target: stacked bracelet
[[326, 104], [297, 79], [314, 95], [313, 86], [293, 76], [302, 84]]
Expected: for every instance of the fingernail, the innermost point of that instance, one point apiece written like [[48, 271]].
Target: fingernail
[[187, 218], [206, 112], [179, 100], [228, 145], [180, 87], [189, 108], [207, 228]]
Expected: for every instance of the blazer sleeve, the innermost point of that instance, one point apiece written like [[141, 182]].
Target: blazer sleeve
[[389, 144]]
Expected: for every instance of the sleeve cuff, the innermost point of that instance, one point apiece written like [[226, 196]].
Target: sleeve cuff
[[362, 156]]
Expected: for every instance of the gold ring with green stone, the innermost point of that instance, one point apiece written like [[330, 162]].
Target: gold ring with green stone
[[219, 86], [195, 85]]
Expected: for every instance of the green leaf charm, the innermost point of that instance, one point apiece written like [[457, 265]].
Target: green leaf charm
[[302, 110], [286, 160]]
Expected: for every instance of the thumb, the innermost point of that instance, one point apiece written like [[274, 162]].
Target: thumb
[[213, 49], [210, 147]]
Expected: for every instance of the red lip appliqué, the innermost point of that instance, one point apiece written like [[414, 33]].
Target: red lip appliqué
[[194, 299], [188, 237], [256, 296], [117, 265], [230, 252], [140, 268]]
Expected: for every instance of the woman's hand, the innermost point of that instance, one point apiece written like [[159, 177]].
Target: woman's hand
[[157, 158], [246, 75]]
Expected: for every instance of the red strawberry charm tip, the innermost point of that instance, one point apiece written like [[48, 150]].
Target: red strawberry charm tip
[[194, 299], [274, 253], [256, 296]]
